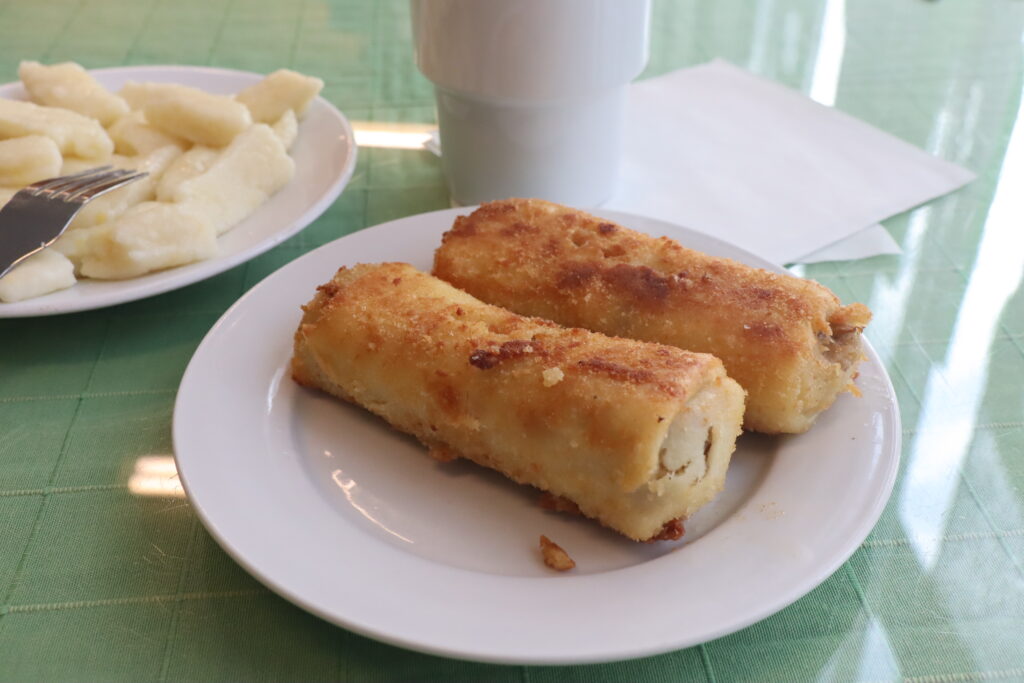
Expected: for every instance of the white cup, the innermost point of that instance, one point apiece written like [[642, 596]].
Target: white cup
[[531, 94]]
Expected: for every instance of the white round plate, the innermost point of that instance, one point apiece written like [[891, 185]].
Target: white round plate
[[324, 154], [351, 520]]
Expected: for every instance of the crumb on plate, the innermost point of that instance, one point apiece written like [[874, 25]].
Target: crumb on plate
[[554, 556]]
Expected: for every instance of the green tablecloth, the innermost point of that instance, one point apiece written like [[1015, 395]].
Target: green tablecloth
[[97, 583]]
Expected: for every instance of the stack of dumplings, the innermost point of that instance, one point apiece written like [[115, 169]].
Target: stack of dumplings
[[211, 161]]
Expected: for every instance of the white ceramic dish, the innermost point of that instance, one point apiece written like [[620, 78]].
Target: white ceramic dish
[[325, 156], [350, 520]]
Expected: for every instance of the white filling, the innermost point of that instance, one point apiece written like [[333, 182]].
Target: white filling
[[683, 454]]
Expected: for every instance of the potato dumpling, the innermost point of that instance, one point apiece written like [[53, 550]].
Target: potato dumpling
[[43, 272], [287, 129], [138, 95], [112, 204], [28, 159], [70, 86], [148, 236], [282, 90], [190, 164], [74, 133], [242, 177], [132, 135], [199, 117], [75, 244]]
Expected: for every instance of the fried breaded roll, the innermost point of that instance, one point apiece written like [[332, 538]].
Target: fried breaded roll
[[637, 435], [787, 341]]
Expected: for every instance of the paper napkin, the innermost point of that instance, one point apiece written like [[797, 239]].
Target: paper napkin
[[724, 152]]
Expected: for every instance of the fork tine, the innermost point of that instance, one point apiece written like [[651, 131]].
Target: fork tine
[[98, 187], [85, 183], [54, 184]]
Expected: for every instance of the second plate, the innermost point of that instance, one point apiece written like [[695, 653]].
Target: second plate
[[347, 518]]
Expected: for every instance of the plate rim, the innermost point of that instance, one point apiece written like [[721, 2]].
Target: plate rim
[[141, 289], [868, 518]]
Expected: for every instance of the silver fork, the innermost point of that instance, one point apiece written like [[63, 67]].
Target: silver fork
[[40, 213]]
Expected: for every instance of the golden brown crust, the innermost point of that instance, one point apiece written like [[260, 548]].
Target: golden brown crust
[[773, 331], [472, 380]]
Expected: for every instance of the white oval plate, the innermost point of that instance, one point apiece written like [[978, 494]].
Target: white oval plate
[[341, 515], [324, 154]]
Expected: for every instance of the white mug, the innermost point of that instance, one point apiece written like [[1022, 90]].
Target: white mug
[[531, 94]]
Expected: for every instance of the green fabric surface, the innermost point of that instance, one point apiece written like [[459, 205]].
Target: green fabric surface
[[97, 583]]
